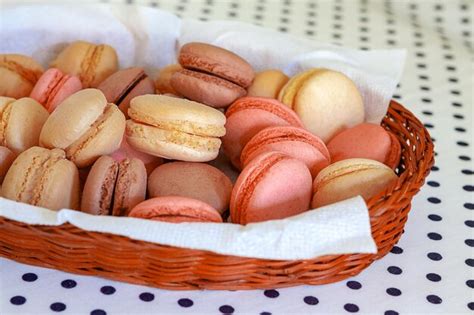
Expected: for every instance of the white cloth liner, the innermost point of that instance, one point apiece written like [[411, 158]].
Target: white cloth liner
[[150, 38]]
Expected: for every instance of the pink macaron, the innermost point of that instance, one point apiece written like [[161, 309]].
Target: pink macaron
[[367, 141], [176, 210], [53, 87], [247, 116], [272, 186], [293, 141]]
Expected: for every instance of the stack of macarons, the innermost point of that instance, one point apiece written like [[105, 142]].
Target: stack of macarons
[[89, 136]]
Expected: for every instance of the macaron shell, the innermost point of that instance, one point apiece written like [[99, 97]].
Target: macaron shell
[[130, 188], [171, 144], [162, 83], [267, 83], [175, 209], [290, 89], [193, 180], [21, 122], [143, 87], [205, 88], [218, 61], [6, 159], [328, 102], [349, 178], [99, 187], [18, 75]]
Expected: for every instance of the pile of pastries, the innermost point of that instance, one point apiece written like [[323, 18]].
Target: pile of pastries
[[88, 136]]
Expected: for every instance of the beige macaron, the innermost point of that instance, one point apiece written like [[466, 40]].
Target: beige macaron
[[18, 75], [163, 80], [327, 101], [44, 178], [175, 128], [6, 159], [20, 123], [267, 83], [348, 178], [90, 62], [85, 126]]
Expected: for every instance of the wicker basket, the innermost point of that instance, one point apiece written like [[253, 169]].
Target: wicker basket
[[71, 249]]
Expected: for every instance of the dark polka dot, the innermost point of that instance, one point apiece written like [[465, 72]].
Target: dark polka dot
[[468, 188], [146, 296], [355, 285], [426, 100], [434, 299], [434, 236], [394, 292], [467, 172], [433, 277], [107, 290], [460, 129], [434, 168], [456, 104], [18, 300], [434, 200], [435, 217], [469, 206], [396, 250], [226, 309], [29, 277], [429, 126], [351, 308], [271, 293], [68, 284], [394, 270], [265, 313], [390, 312], [469, 223], [434, 256], [470, 283], [469, 262], [423, 77], [458, 116], [57, 307], [464, 158], [469, 242], [311, 300], [432, 183], [185, 302], [462, 143], [98, 312]]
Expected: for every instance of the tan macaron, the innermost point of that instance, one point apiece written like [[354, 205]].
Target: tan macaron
[[85, 126], [348, 178], [267, 83], [6, 159], [44, 178], [175, 128], [327, 101], [163, 80], [20, 123], [90, 62], [18, 75]]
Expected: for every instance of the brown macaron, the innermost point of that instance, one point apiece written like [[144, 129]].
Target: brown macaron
[[114, 187]]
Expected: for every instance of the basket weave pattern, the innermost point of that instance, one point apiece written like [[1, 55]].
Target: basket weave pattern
[[72, 249]]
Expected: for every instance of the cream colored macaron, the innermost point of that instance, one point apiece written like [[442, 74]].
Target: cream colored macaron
[[349, 178], [327, 101], [175, 128], [85, 126], [267, 83]]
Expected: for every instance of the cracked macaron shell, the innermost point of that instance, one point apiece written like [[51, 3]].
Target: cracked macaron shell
[[293, 141], [90, 62], [85, 126], [18, 75], [44, 178], [262, 191], [349, 178], [21, 122], [175, 209]]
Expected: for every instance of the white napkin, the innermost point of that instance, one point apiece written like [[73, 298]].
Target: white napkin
[[151, 38]]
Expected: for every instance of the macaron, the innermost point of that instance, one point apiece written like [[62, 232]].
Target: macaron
[[126, 151], [21, 122], [85, 126], [123, 85], [247, 116], [194, 180], [349, 178], [53, 87], [6, 159], [174, 128], [90, 62], [293, 141], [175, 209], [18, 75], [163, 79], [44, 178], [327, 101], [267, 83], [212, 75], [368, 141], [272, 186], [114, 187]]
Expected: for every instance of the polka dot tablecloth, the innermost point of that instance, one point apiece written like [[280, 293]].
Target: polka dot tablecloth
[[429, 271]]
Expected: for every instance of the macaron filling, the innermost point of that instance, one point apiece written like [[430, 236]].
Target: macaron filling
[[29, 75], [135, 82], [4, 117], [90, 62]]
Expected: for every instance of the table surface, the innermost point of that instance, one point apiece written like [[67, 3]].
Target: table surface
[[431, 268]]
